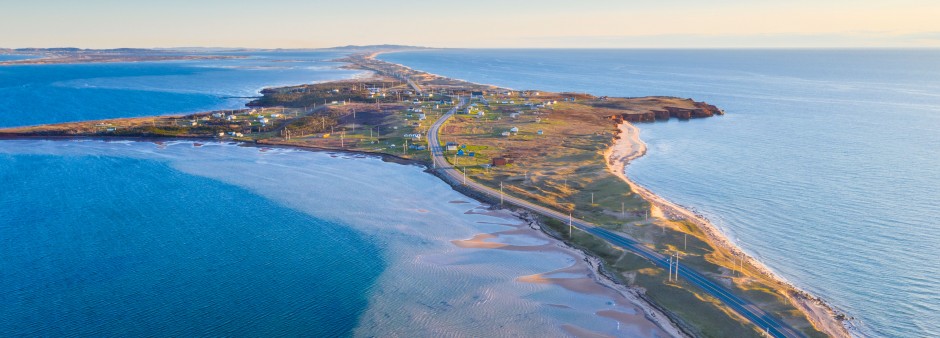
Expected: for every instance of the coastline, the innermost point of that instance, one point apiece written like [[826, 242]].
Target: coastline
[[584, 276], [820, 314], [628, 147]]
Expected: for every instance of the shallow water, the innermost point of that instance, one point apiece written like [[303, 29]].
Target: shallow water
[[824, 167], [38, 94], [268, 242]]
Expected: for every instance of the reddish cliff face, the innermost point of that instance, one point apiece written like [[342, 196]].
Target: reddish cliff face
[[697, 110]]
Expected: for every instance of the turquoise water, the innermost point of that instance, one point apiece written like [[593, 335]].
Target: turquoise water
[[38, 94], [825, 167], [216, 239], [95, 245]]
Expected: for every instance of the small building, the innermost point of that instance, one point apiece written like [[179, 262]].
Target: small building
[[539, 132], [218, 115], [501, 161], [450, 146], [460, 152], [231, 118], [422, 116], [514, 130], [505, 133], [480, 114], [476, 95]]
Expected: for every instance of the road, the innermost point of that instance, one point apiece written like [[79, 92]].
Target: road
[[769, 324]]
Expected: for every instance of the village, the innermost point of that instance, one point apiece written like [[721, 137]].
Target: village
[[541, 147]]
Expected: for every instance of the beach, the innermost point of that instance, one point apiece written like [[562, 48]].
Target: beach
[[586, 123], [628, 147]]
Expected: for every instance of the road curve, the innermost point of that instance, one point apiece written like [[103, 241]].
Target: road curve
[[763, 320]]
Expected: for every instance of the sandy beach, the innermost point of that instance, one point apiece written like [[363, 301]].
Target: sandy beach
[[629, 147]]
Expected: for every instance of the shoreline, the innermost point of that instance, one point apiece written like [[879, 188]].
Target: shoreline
[[530, 226], [584, 260], [617, 156], [628, 147]]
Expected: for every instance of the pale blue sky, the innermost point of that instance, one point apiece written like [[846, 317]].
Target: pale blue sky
[[481, 23]]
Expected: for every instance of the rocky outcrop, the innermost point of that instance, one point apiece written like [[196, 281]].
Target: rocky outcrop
[[699, 110]]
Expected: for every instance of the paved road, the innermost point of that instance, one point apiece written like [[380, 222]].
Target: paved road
[[771, 326]]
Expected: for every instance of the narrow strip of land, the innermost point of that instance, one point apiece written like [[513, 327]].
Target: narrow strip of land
[[752, 312]]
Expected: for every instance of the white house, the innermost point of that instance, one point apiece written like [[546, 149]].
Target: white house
[[514, 130]]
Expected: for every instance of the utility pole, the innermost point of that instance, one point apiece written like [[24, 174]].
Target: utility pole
[[592, 198], [669, 278], [569, 225], [677, 266], [623, 212], [464, 175], [500, 193]]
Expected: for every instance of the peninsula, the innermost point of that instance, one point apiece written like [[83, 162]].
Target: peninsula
[[559, 156]]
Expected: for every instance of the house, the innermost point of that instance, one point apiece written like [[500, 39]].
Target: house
[[480, 114], [231, 118], [514, 115], [505, 133], [450, 146], [539, 132], [500, 161], [514, 130], [460, 152], [218, 115], [476, 95], [422, 116]]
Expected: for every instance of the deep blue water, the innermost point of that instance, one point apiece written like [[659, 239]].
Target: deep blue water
[[116, 246], [825, 168], [37, 94]]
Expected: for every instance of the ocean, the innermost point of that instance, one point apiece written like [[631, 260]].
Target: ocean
[[39, 94], [824, 168], [182, 238]]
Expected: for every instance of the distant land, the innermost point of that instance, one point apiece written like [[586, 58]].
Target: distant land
[[79, 55]]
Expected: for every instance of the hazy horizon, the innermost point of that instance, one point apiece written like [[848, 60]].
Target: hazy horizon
[[294, 24]]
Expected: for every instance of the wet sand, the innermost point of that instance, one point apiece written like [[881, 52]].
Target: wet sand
[[634, 317]]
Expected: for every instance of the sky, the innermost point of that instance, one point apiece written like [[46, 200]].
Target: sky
[[472, 24]]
